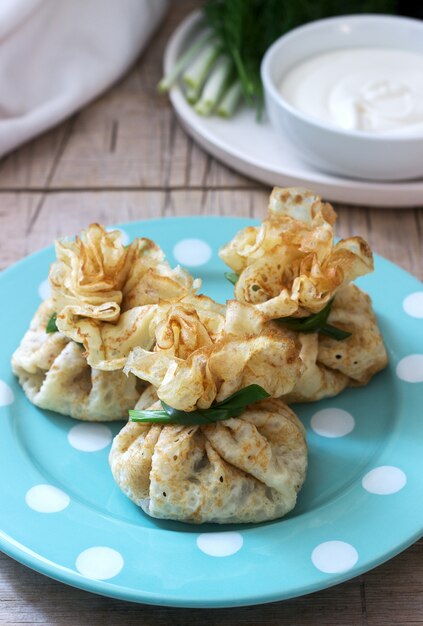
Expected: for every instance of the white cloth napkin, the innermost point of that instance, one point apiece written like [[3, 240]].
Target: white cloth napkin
[[56, 55]]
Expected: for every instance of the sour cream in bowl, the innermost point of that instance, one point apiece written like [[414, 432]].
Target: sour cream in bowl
[[349, 93]]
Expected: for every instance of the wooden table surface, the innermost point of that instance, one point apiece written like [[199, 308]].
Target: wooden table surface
[[125, 157]]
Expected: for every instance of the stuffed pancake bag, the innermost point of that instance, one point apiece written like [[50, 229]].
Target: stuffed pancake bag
[[95, 281], [54, 374], [247, 467], [290, 269], [331, 365]]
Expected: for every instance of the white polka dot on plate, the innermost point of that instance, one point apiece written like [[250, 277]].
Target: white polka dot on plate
[[410, 368], [332, 422], [46, 499], [220, 544], [124, 237], [384, 480], [6, 394], [44, 289], [192, 252], [90, 437], [99, 562], [334, 557], [413, 304]]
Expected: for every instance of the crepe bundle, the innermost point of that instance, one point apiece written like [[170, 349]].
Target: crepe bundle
[[106, 297], [291, 267], [188, 321], [54, 374], [101, 277], [223, 365], [329, 365], [244, 469], [247, 468]]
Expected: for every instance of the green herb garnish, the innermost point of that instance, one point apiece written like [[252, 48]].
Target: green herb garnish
[[231, 407], [52, 328], [246, 28], [51, 324], [222, 66], [316, 323], [232, 277]]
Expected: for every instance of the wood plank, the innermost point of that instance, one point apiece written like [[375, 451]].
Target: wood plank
[[394, 235], [17, 212], [29, 167], [391, 234], [394, 591], [392, 596], [30, 598], [65, 214]]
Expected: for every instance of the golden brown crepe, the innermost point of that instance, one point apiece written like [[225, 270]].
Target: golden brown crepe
[[290, 266], [219, 368], [189, 321], [108, 298], [245, 469], [54, 374], [329, 365], [111, 298], [99, 275]]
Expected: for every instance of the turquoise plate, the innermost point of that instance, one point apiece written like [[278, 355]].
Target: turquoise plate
[[361, 504]]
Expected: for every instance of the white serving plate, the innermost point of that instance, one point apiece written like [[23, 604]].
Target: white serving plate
[[253, 148]]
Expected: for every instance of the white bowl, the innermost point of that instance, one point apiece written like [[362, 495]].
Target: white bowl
[[356, 154]]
